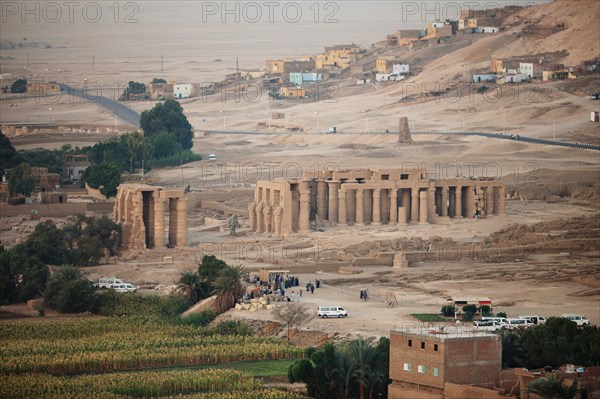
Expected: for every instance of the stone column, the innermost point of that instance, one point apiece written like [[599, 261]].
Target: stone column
[[182, 240], [333, 201], [489, 201], [173, 222], [393, 206], [376, 207], [402, 215], [159, 223], [359, 208], [458, 203], [444, 210], [414, 206], [322, 199], [501, 200], [304, 217], [423, 207], [268, 219], [470, 202], [431, 204], [277, 213], [342, 207]]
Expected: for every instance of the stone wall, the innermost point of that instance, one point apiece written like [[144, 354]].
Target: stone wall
[[56, 210]]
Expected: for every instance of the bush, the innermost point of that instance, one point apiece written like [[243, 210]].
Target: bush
[[232, 327], [501, 314], [41, 311], [197, 319], [468, 316], [68, 291], [112, 303], [448, 311], [485, 310]]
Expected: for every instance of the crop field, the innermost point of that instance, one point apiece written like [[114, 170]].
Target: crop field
[[111, 358]]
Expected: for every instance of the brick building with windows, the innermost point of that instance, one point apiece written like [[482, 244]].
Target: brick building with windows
[[425, 363]]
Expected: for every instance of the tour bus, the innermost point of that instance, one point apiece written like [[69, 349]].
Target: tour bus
[[331, 311]]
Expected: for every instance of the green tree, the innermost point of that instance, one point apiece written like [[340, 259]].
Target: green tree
[[228, 287], [106, 231], [168, 117], [20, 180], [189, 285], [23, 277], [158, 80], [105, 176], [344, 373], [553, 387], [134, 145], [69, 291], [134, 88], [19, 86], [165, 145], [8, 155], [46, 243], [448, 310], [513, 354], [365, 358], [208, 271]]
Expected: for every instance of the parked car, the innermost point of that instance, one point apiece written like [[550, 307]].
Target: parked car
[[580, 319], [501, 320], [595, 96], [332, 130], [488, 325], [212, 157], [534, 319], [519, 323], [331, 311], [109, 282], [125, 287]]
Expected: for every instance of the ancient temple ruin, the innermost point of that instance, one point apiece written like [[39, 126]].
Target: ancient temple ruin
[[362, 196], [142, 209]]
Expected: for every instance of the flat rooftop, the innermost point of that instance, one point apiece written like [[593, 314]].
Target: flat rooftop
[[443, 332]]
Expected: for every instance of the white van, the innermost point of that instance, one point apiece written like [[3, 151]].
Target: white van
[[580, 319], [488, 325], [125, 287], [331, 311], [501, 320], [109, 282], [212, 157], [519, 323], [534, 319]]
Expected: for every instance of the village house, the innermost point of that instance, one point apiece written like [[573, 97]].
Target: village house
[[428, 362], [160, 91], [477, 78], [340, 56], [515, 78], [74, 166], [183, 90], [438, 30], [526, 68], [406, 37], [401, 69], [44, 181], [292, 92], [487, 29], [284, 67], [559, 74], [385, 64], [299, 78]]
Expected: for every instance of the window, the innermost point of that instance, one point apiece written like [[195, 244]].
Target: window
[[403, 177], [407, 367], [422, 369], [385, 177], [435, 347], [436, 372], [422, 345], [410, 342]]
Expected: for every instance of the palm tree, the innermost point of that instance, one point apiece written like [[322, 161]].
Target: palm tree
[[365, 358], [188, 285], [552, 388], [228, 287], [344, 373]]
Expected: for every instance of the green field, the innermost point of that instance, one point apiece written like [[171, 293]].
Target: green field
[[428, 317], [126, 357]]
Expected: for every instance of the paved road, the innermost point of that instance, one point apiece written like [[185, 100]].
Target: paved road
[[482, 134], [120, 110]]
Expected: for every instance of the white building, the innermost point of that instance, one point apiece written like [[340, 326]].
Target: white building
[[388, 77], [438, 24], [361, 82], [519, 77], [487, 29], [182, 90], [400, 69], [526, 68]]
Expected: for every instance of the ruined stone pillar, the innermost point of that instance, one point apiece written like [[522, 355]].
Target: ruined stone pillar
[[252, 215], [277, 213], [423, 207], [393, 206], [402, 215], [502, 200], [431, 204], [333, 201], [322, 200], [173, 222], [304, 217], [458, 203], [444, 210], [376, 207], [360, 215], [181, 239], [489, 201], [342, 207], [414, 206], [268, 218], [159, 223], [404, 136]]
